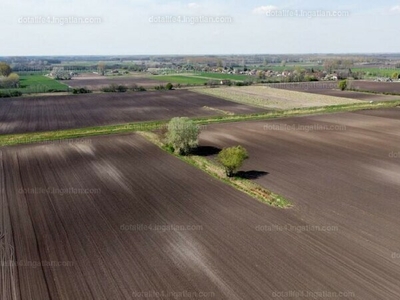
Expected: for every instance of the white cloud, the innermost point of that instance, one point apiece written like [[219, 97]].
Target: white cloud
[[193, 5], [395, 9], [262, 10]]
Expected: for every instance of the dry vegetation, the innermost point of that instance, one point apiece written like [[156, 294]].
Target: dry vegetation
[[271, 98]]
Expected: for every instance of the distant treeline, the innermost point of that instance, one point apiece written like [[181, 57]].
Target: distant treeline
[[76, 68]]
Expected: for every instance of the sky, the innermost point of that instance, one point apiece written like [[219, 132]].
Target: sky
[[197, 27]]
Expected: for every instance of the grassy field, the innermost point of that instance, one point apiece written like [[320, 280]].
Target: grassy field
[[33, 84], [373, 72], [201, 78], [181, 79], [239, 77]]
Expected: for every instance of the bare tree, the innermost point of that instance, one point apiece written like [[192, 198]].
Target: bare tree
[[101, 68]]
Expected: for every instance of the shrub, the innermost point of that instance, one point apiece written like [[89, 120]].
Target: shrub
[[10, 94], [54, 91], [122, 89], [169, 86], [159, 87], [81, 91], [135, 88], [212, 83], [310, 78], [243, 83], [114, 88], [342, 85]]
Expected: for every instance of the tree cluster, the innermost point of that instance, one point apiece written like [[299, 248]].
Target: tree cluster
[[7, 78]]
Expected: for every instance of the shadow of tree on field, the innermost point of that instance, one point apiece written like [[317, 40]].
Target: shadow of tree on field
[[253, 174], [206, 151]]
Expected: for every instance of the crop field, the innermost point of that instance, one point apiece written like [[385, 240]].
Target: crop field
[[95, 82], [49, 113], [339, 170], [33, 84], [272, 98], [88, 220], [330, 89], [377, 87]]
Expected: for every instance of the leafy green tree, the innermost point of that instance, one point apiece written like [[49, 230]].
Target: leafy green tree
[[395, 75], [342, 85], [169, 86], [232, 158], [182, 135], [5, 69]]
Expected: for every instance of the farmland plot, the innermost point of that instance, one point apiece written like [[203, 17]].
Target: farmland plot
[[96, 82], [330, 89], [117, 218], [271, 98], [48, 113], [340, 170]]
